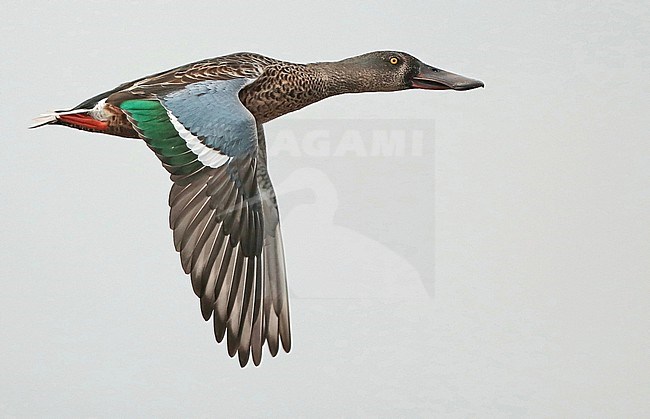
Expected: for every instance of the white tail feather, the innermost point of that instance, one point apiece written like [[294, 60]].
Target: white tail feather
[[42, 120], [49, 117]]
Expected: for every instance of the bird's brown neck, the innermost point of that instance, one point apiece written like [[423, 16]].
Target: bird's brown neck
[[341, 77], [286, 87]]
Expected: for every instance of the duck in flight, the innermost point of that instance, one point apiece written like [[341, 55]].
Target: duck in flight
[[204, 122]]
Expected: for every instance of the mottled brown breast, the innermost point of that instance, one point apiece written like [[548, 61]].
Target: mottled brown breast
[[282, 88]]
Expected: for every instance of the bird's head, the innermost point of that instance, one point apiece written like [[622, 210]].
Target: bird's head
[[387, 71]]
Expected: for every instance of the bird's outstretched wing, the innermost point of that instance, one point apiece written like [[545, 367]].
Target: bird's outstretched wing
[[223, 209]]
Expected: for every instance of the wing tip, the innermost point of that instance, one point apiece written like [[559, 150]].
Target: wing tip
[[244, 356]]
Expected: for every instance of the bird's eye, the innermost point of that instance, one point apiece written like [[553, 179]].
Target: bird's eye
[[393, 60]]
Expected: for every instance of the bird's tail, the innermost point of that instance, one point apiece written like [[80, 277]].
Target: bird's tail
[[76, 118]]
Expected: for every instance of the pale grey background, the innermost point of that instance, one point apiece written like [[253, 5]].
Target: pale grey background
[[536, 305]]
